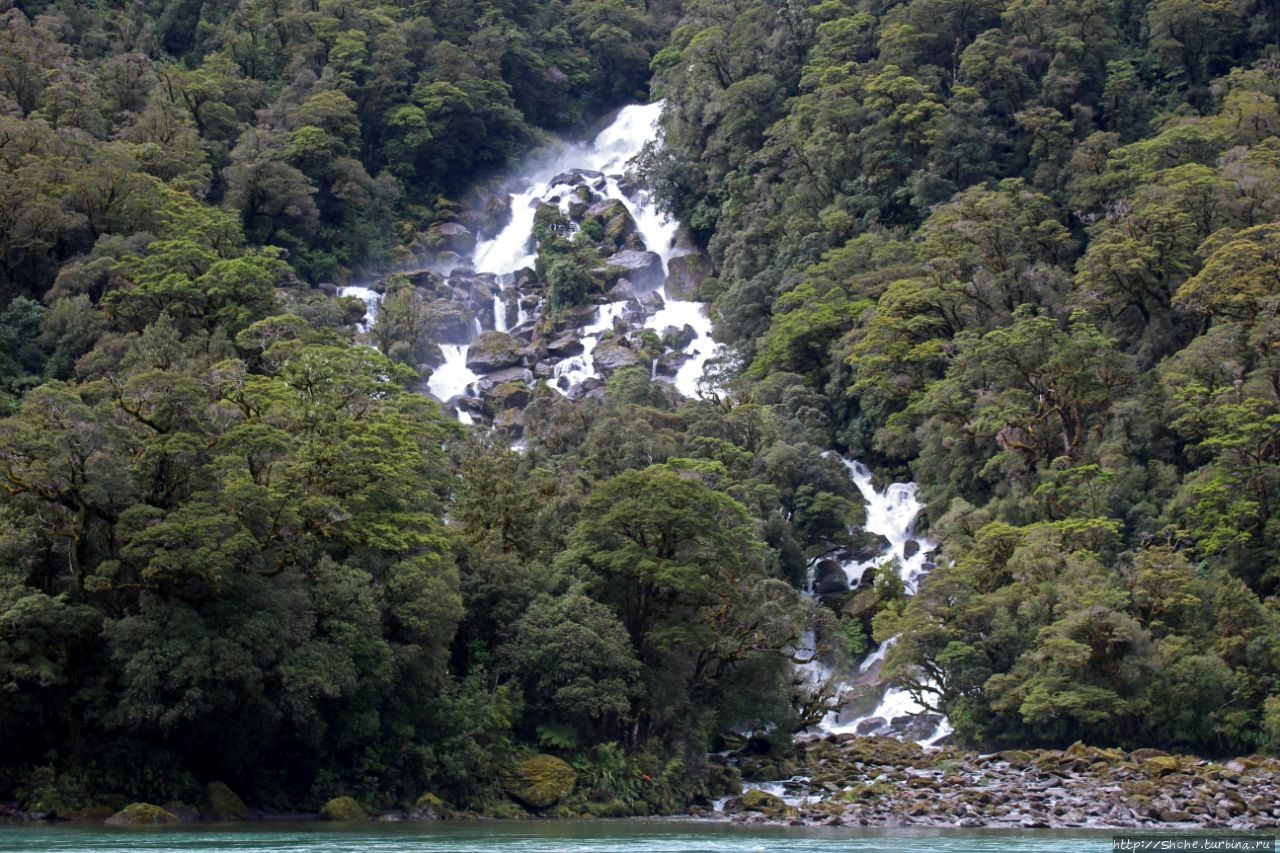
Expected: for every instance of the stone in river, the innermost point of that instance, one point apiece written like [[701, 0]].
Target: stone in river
[[493, 351], [642, 269]]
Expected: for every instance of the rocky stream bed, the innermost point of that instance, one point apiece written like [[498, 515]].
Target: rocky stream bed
[[842, 779]]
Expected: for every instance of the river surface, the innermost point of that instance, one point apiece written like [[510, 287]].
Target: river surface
[[629, 836]]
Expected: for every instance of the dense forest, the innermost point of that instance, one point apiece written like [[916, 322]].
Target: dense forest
[[1024, 252]]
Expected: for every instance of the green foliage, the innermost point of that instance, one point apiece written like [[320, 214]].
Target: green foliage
[[541, 781]]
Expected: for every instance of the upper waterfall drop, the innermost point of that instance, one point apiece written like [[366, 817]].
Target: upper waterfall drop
[[579, 178], [608, 155]]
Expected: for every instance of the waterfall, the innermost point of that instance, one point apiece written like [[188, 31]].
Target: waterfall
[[451, 378], [576, 369], [890, 513], [607, 154], [371, 299], [499, 314], [600, 164]]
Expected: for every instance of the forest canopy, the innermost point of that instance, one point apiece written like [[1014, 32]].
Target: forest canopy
[[1021, 252]]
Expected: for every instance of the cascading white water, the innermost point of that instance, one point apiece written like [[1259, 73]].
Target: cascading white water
[[608, 154], [451, 378], [600, 164], [575, 369], [679, 314], [499, 313], [890, 513], [371, 299]]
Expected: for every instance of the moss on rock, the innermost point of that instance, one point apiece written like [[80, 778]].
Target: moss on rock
[[541, 781], [222, 804], [343, 809], [141, 814], [429, 807], [756, 800]]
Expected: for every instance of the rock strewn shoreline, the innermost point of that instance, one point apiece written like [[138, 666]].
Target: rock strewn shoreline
[[876, 781]]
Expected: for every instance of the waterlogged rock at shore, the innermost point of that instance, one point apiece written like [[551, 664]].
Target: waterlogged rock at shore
[[343, 809], [222, 804], [756, 800], [541, 781], [429, 807], [141, 814]]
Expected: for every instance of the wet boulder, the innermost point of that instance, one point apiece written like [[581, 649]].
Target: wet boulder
[[141, 814], [343, 810], [829, 578], [867, 546], [429, 807], [685, 273], [613, 355], [669, 363], [642, 269], [493, 351], [222, 804], [494, 216], [679, 339], [565, 346], [451, 237], [651, 302], [448, 322], [617, 228]]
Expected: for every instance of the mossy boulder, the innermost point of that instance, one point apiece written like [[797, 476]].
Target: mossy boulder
[[1161, 765], [756, 800], [429, 807], [343, 809], [493, 351], [685, 274], [222, 804], [451, 237], [141, 814], [541, 781]]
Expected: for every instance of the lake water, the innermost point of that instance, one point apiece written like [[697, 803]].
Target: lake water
[[541, 837]]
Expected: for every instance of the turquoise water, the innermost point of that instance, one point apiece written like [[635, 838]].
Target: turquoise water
[[542, 837]]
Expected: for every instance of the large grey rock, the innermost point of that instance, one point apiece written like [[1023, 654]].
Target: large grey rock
[[448, 322], [577, 178], [612, 355], [619, 228], [451, 237], [493, 351], [829, 578], [642, 269], [565, 346], [495, 216], [685, 273], [669, 363]]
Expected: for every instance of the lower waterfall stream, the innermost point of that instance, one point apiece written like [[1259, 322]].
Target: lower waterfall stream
[[595, 174]]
